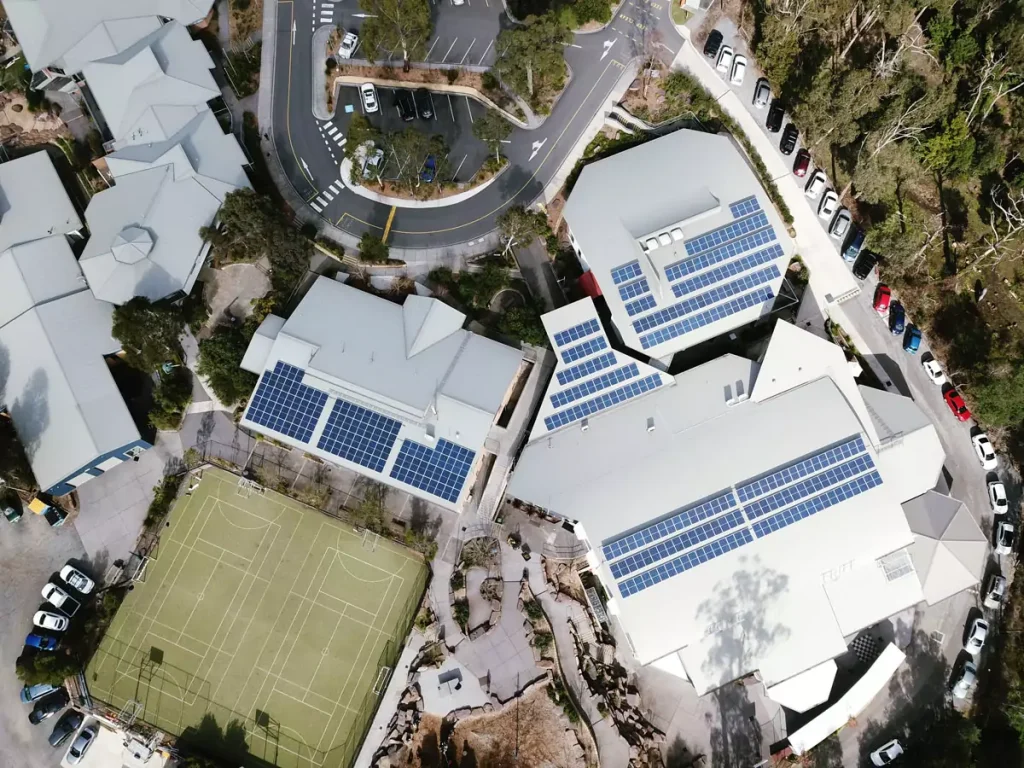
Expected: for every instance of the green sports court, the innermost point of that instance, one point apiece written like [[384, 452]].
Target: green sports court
[[264, 614]]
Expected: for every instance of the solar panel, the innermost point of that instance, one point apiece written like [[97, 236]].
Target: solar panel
[[587, 367], [626, 272], [634, 289], [744, 207], [590, 386], [286, 405], [706, 299], [607, 400], [812, 506], [640, 305], [439, 471], [577, 332], [687, 267], [572, 354], [684, 518], [724, 234], [359, 435], [798, 469], [685, 562], [712, 276], [793, 493], [689, 538], [707, 317]]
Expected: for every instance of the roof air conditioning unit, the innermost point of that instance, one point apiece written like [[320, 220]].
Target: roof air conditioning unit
[[665, 239], [650, 423], [584, 425], [430, 432], [652, 244], [677, 234]]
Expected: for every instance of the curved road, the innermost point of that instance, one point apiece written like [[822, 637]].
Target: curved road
[[597, 61]]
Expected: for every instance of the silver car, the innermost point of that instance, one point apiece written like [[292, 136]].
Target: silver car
[[840, 225], [762, 94], [81, 744], [966, 681]]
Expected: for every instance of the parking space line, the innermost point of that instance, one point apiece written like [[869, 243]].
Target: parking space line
[[427, 57], [450, 49], [451, 108], [463, 59], [489, 44], [469, 108], [456, 174]]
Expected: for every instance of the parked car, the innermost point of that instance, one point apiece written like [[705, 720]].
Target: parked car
[[864, 264], [897, 318], [76, 579], [739, 70], [886, 753], [424, 103], [55, 516], [840, 225], [816, 185], [976, 637], [933, 370], [713, 44], [405, 104], [49, 705], [13, 514], [985, 452], [775, 114], [964, 683], [802, 163], [997, 497], [762, 94], [81, 745], [58, 598], [827, 206], [724, 59], [429, 169], [369, 96], [956, 405], [912, 339], [853, 245], [348, 44], [42, 642], [32, 692], [789, 137], [996, 593], [882, 298], [66, 725], [1004, 538], [373, 164]]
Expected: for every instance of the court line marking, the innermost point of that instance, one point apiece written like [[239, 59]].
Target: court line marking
[[242, 527]]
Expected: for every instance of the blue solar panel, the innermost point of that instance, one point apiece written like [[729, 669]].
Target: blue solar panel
[[572, 354], [590, 386], [794, 493], [677, 522], [577, 332], [706, 299], [817, 504], [626, 272], [712, 276], [632, 290], [607, 400], [685, 540], [685, 562], [799, 469], [724, 234], [707, 317], [439, 471], [359, 435], [682, 268], [587, 367], [640, 305], [286, 405], [744, 207]]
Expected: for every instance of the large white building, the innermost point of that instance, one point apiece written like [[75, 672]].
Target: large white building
[[745, 517]]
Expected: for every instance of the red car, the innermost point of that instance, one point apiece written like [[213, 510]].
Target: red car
[[882, 297], [803, 162], [956, 405]]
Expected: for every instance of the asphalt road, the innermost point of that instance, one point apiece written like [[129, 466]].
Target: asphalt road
[[597, 61]]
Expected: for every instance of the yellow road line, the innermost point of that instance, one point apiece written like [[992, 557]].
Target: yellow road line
[[387, 227]]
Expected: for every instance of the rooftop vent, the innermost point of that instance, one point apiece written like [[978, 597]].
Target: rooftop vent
[[652, 244], [665, 238], [584, 425], [430, 432], [677, 234], [650, 423]]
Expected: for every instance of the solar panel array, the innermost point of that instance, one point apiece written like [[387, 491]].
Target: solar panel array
[[286, 405], [607, 400], [634, 289], [587, 367], [744, 207], [642, 304], [801, 490], [707, 317], [704, 279], [685, 540], [816, 504], [626, 272], [676, 522], [685, 562], [682, 268], [439, 471], [801, 468], [572, 354], [590, 386], [359, 435], [577, 332], [724, 234]]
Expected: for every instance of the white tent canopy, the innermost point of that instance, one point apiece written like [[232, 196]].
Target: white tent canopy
[[949, 550]]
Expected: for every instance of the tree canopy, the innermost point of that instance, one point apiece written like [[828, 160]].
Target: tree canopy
[[372, 249], [396, 25], [220, 360], [532, 62], [492, 129], [149, 333], [519, 226]]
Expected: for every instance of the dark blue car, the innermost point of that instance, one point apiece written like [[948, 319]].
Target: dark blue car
[[429, 169], [897, 318], [42, 642]]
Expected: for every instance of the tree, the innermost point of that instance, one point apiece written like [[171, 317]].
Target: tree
[[950, 151], [492, 129], [14, 467], [523, 323], [49, 667], [372, 249], [531, 58], [407, 150], [149, 333], [478, 288], [396, 25], [171, 397], [370, 512], [519, 226], [220, 360]]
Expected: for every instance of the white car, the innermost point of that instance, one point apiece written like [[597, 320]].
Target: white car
[[976, 637], [997, 498], [56, 596], [816, 185], [724, 59], [373, 165], [886, 753], [739, 70], [81, 743], [828, 205], [369, 94], [76, 579], [985, 452], [1004, 538], [840, 225], [933, 371], [348, 45], [48, 620], [762, 94], [996, 591], [966, 681]]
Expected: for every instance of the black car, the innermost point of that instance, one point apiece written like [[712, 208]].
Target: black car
[[68, 723], [789, 137], [406, 107], [864, 264], [424, 103], [49, 705], [714, 42], [775, 114]]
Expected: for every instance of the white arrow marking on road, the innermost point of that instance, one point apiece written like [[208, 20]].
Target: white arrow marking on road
[[293, 33], [305, 166], [608, 46], [536, 148]]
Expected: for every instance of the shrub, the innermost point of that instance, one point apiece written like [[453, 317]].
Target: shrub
[[533, 610], [164, 495], [458, 580], [542, 641], [220, 359], [460, 612], [490, 81], [452, 75], [592, 10], [171, 397]]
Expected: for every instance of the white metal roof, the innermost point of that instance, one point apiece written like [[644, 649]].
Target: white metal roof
[[36, 272], [806, 690], [33, 203]]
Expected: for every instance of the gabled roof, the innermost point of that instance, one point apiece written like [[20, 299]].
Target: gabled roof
[[33, 203], [950, 551], [36, 272]]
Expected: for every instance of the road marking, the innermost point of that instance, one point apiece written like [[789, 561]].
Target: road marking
[[308, 172], [451, 108], [332, 188], [489, 44], [427, 57], [455, 175], [321, 201], [339, 140], [293, 32], [463, 59], [608, 47], [450, 49], [571, 45], [326, 18], [317, 192], [332, 130], [384, 239], [328, 195], [536, 148], [469, 108]]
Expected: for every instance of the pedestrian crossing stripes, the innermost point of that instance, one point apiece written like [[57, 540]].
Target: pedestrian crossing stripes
[[335, 188], [315, 207], [321, 200], [332, 130], [329, 196]]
